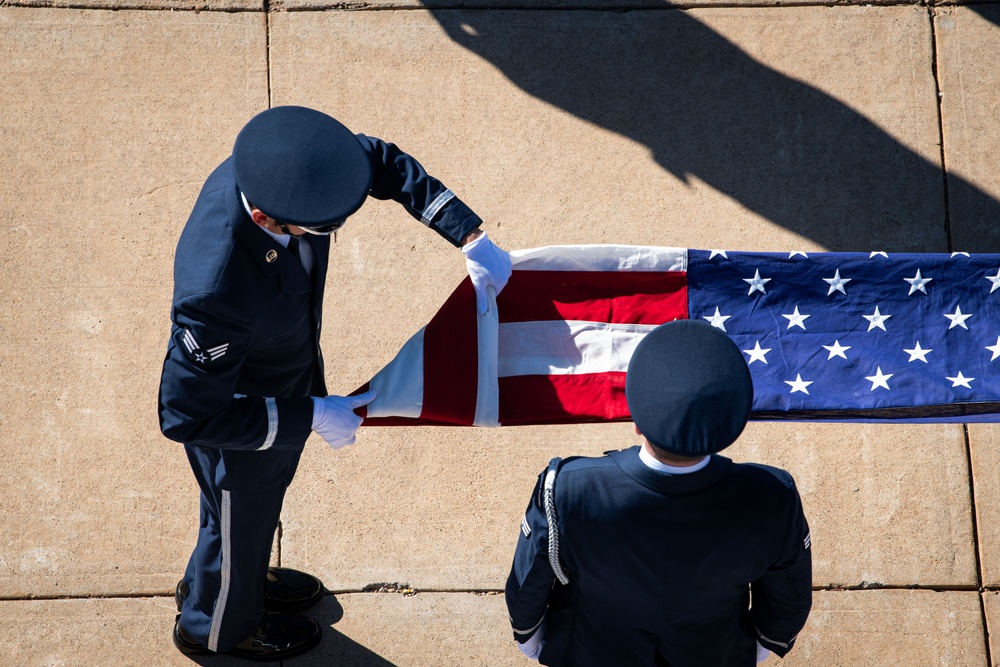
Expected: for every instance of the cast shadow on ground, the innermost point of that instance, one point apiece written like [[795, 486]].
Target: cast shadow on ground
[[335, 648], [989, 12], [706, 109]]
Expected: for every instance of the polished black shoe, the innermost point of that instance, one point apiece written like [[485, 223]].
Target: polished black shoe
[[280, 636], [284, 590]]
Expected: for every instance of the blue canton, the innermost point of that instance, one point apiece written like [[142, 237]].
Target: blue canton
[[859, 336]]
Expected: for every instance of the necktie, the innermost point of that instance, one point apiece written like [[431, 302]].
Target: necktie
[[293, 247]]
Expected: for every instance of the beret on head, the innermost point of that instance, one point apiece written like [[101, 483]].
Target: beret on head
[[688, 388], [301, 167]]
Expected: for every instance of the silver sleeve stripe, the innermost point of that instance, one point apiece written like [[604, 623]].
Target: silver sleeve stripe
[[436, 206], [761, 636], [272, 423], [529, 630]]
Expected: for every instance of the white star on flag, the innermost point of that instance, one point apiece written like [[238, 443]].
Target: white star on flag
[[918, 353], [756, 283], [798, 384], [995, 349], [718, 253], [878, 252], [797, 252], [879, 379], [960, 381], [757, 353], [995, 280], [796, 319], [956, 254], [876, 319], [918, 283], [836, 350], [957, 319], [837, 283], [718, 320]]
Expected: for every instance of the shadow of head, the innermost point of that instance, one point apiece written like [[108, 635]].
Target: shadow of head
[[705, 108]]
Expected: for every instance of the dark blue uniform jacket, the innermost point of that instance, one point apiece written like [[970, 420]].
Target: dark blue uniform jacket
[[243, 357], [661, 567]]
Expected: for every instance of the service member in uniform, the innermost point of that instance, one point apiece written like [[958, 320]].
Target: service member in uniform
[[651, 555], [243, 380]]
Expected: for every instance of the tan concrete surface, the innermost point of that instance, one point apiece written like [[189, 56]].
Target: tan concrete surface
[[984, 448], [110, 123], [991, 607], [880, 628], [169, 5], [968, 44], [538, 4]]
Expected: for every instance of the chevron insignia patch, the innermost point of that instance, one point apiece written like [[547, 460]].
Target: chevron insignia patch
[[525, 528], [201, 355]]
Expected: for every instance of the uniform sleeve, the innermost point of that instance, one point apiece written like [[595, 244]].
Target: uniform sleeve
[[531, 575], [398, 176], [198, 404], [782, 597]]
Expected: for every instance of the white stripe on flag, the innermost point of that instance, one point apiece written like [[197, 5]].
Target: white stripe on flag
[[600, 258], [488, 389], [399, 386], [564, 347]]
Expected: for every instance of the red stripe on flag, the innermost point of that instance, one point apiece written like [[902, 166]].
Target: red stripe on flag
[[554, 399], [451, 360], [617, 297]]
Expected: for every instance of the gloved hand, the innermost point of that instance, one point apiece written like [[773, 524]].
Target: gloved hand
[[533, 647], [488, 266], [762, 653], [334, 418]]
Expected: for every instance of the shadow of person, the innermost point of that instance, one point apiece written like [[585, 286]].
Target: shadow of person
[[706, 109], [336, 647]]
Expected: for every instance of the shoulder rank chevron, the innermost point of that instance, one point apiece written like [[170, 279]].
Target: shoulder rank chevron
[[199, 355]]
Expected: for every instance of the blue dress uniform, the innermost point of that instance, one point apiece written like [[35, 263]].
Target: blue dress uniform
[[658, 564], [631, 566], [242, 364]]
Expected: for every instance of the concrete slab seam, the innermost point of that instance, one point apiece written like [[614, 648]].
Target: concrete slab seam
[[931, 15], [365, 6]]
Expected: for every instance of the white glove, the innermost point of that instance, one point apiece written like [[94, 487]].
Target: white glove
[[533, 647], [762, 653], [334, 418], [488, 266]]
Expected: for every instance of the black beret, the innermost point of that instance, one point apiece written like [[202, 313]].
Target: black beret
[[301, 167], [688, 388]]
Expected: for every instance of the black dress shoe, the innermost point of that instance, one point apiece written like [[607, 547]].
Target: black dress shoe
[[280, 636], [284, 590]]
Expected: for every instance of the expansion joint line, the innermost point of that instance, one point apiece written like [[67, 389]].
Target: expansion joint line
[[938, 102], [267, 48]]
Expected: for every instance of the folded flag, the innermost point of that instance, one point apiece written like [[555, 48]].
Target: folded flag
[[871, 337]]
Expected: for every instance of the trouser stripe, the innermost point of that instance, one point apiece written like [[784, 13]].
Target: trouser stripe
[[220, 604]]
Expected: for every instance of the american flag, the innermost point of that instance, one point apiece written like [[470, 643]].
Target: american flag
[[827, 336]]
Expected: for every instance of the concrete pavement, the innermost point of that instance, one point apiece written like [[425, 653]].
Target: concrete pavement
[[751, 126]]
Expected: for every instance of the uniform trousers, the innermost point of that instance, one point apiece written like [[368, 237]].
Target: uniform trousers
[[241, 497]]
